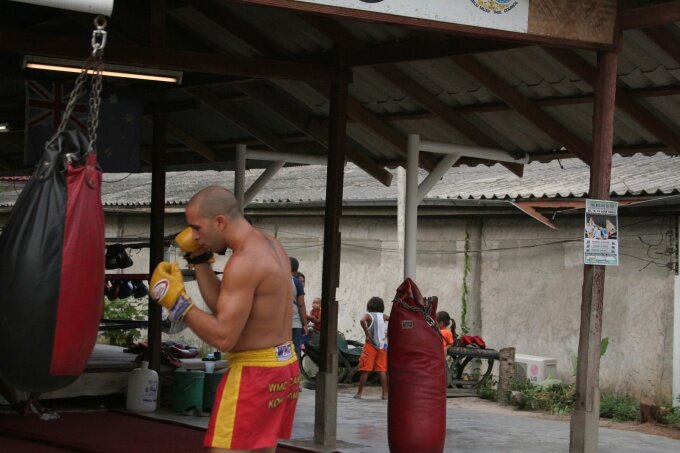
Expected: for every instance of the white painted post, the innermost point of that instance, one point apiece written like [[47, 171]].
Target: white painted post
[[435, 175], [401, 212], [676, 334], [472, 151], [411, 223], [240, 174], [260, 182]]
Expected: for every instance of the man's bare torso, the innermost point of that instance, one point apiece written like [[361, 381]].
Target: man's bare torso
[[269, 322]]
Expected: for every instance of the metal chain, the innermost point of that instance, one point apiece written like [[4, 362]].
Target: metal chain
[[95, 101], [421, 310], [94, 65]]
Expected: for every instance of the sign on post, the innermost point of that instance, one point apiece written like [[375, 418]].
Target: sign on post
[[601, 233]]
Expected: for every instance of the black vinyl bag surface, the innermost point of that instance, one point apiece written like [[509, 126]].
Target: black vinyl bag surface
[[52, 270]]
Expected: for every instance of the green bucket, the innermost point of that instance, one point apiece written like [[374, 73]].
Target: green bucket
[[212, 381], [187, 390]]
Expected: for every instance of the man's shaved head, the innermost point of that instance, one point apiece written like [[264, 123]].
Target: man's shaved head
[[215, 200]]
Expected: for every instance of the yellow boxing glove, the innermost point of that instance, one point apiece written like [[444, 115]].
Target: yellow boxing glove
[[167, 288], [185, 240]]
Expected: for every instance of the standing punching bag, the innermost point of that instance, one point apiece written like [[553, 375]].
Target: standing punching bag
[[52, 263], [416, 409]]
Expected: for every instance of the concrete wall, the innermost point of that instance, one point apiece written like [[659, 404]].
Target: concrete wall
[[531, 281], [530, 290]]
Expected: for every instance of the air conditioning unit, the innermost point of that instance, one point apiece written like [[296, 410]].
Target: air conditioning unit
[[534, 368]]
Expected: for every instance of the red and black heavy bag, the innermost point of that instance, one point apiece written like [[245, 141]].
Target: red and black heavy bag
[[416, 409], [52, 270]]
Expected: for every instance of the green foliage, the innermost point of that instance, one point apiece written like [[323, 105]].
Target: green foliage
[[128, 309], [464, 296], [558, 398], [672, 417], [489, 390], [620, 408]]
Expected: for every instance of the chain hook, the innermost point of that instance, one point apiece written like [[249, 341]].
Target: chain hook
[[99, 35]]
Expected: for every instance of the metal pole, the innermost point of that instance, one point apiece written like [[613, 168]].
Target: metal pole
[[240, 174], [295, 158], [471, 151], [585, 418], [435, 175], [676, 325], [261, 181], [411, 227], [474, 227]]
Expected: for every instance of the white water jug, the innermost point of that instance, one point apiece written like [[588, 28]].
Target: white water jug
[[142, 392]]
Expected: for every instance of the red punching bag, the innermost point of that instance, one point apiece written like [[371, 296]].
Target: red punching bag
[[416, 409], [52, 261]]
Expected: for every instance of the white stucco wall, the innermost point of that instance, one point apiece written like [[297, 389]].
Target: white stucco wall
[[530, 290]]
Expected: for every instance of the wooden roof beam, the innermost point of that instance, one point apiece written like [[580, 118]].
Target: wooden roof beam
[[650, 16], [252, 37], [424, 50], [666, 40], [180, 60], [624, 100], [378, 127], [237, 27], [341, 37], [302, 121], [190, 141], [236, 116], [423, 97], [524, 106]]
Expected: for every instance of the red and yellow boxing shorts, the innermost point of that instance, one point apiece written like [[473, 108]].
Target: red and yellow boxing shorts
[[255, 401]]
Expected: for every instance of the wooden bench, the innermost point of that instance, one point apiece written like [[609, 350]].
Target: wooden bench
[[468, 369]]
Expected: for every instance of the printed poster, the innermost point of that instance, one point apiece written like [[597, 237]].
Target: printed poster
[[601, 233], [510, 15]]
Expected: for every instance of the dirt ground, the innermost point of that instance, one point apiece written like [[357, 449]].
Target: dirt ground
[[481, 405]]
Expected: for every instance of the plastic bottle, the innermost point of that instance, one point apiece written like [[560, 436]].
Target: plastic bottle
[[142, 392]]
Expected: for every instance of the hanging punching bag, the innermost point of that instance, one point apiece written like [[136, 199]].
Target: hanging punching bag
[[52, 271], [416, 409], [52, 255]]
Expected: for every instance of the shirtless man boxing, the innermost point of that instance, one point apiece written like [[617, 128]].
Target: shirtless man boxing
[[250, 321]]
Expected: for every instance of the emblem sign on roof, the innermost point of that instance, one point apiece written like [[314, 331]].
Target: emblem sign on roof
[[579, 23], [510, 15]]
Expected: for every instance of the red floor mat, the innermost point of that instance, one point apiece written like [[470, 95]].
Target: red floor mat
[[101, 432]]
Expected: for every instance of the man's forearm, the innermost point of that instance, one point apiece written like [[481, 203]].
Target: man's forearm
[[303, 312]]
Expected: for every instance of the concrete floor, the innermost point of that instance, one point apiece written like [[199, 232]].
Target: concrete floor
[[472, 426]]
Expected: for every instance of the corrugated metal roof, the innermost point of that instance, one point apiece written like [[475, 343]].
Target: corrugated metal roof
[[631, 176], [530, 70]]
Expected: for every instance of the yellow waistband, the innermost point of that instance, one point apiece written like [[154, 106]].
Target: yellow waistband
[[280, 355]]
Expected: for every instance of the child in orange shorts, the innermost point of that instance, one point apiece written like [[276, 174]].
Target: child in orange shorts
[[374, 354]]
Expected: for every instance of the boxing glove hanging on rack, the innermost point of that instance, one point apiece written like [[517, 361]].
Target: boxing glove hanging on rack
[[52, 254]]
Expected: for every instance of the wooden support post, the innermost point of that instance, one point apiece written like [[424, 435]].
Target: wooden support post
[[585, 419], [157, 232], [506, 374], [325, 414]]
